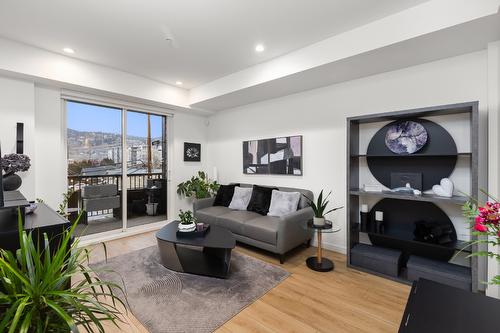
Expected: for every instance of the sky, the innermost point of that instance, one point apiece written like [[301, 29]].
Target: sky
[[93, 118]]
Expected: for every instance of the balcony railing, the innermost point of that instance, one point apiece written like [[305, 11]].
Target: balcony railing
[[134, 181]]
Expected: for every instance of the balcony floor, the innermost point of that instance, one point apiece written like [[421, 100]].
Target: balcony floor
[[103, 223]]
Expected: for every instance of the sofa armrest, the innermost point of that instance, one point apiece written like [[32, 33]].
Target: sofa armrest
[[202, 203], [293, 230]]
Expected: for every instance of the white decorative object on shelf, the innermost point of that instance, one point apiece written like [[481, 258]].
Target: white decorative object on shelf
[[372, 188], [444, 189], [364, 208], [406, 190]]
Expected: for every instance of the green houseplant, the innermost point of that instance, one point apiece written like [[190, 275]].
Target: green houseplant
[[52, 290], [198, 187], [187, 221], [319, 208]]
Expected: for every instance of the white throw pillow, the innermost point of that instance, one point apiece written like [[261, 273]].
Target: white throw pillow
[[241, 198], [283, 203]]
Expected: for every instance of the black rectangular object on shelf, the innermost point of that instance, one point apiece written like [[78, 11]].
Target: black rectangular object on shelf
[[400, 179], [378, 259], [20, 138], [438, 271]]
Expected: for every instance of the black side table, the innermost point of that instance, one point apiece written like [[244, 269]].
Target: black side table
[[319, 263]]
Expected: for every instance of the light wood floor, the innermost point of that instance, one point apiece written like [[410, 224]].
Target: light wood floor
[[344, 300]]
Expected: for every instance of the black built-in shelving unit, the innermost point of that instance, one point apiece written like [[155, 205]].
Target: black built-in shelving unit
[[356, 195]]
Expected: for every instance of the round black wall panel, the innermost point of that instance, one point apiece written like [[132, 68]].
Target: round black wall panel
[[399, 224], [436, 160]]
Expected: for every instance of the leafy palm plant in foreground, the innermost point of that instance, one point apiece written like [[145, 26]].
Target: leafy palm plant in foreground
[[52, 290]]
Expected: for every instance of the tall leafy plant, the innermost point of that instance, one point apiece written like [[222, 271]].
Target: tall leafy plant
[[52, 290], [321, 204], [198, 187]]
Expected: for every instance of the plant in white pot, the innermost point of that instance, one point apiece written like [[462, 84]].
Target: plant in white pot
[[187, 221], [319, 208]]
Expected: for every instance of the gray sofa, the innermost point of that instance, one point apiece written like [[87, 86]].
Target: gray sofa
[[275, 234]]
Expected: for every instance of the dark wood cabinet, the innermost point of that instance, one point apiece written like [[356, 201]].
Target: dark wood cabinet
[[437, 308]]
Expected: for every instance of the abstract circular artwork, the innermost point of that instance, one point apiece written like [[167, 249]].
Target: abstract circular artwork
[[406, 137]]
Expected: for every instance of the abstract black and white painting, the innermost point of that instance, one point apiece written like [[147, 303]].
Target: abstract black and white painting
[[192, 152], [277, 156]]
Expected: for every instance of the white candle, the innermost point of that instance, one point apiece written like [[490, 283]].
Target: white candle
[[379, 216], [364, 208]]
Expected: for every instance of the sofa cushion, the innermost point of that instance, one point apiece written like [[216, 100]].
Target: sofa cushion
[[241, 198], [224, 195], [283, 203], [235, 220], [209, 215], [263, 228], [303, 203], [261, 199]]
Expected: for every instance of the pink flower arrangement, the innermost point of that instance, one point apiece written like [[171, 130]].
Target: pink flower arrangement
[[488, 218], [485, 222]]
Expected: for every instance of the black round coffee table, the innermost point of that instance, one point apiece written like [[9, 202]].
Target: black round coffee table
[[208, 255], [319, 263]]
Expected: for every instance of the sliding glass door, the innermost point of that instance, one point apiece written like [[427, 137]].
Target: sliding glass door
[[116, 167], [146, 168]]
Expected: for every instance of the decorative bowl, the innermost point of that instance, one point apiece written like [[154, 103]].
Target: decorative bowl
[[186, 227]]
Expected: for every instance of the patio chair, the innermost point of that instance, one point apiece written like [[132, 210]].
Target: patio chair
[[99, 198]]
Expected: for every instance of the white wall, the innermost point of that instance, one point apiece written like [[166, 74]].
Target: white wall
[[185, 128], [50, 153], [494, 147], [320, 116], [39, 108], [17, 100]]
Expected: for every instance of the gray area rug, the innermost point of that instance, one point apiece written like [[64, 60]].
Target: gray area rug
[[165, 301]]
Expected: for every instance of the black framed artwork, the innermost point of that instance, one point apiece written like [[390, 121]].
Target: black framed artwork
[[192, 152], [276, 156]]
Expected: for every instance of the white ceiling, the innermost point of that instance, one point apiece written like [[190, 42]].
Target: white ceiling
[[213, 38]]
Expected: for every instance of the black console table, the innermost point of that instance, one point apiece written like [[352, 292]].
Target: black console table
[[437, 308], [43, 220]]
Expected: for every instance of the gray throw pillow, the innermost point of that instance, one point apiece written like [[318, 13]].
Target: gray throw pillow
[[283, 203], [241, 198]]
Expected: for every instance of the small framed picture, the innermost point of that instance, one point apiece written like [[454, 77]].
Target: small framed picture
[[192, 152]]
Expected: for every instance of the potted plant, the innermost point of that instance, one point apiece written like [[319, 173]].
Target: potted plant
[[187, 221], [52, 290], [198, 187], [319, 208], [485, 223], [11, 164]]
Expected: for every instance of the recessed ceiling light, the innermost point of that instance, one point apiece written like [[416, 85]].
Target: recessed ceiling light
[[69, 50], [259, 48], [179, 83]]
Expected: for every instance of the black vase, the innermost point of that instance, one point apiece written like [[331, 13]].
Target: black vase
[[364, 221], [380, 228], [11, 182]]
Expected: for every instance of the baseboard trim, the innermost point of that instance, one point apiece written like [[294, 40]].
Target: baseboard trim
[[118, 234], [332, 247]]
